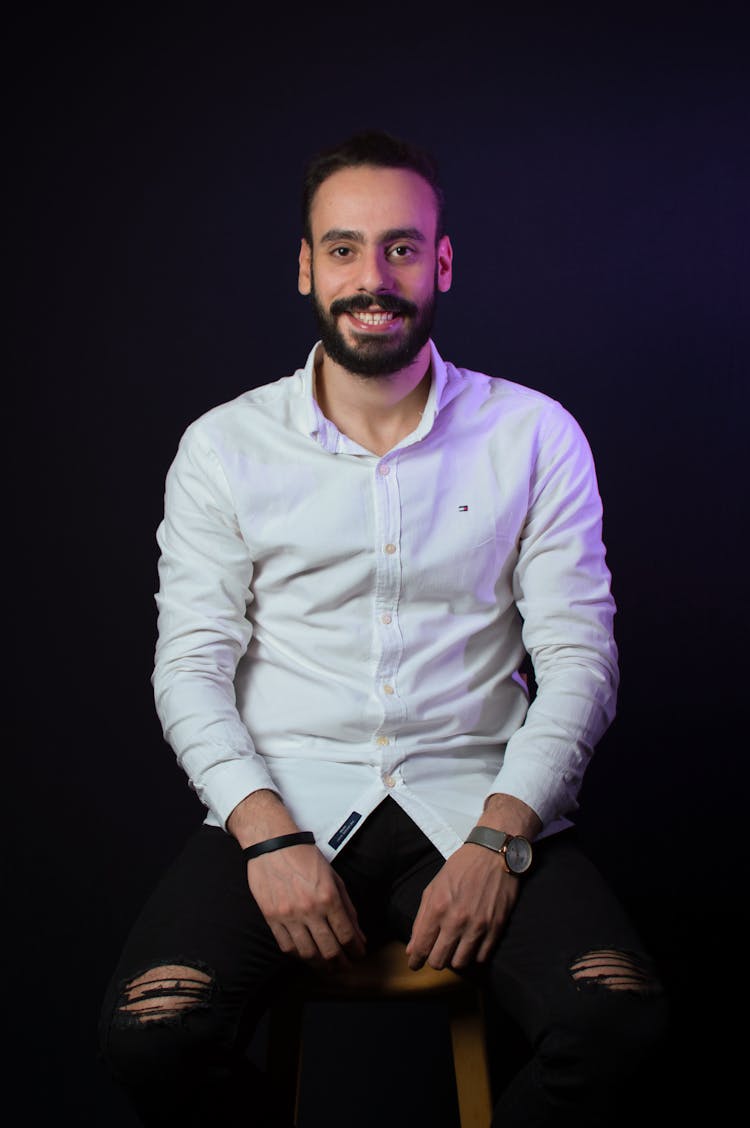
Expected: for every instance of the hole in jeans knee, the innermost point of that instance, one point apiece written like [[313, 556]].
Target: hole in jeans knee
[[614, 970], [162, 993]]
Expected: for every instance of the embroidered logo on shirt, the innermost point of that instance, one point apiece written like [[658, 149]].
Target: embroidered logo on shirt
[[463, 508], [344, 830]]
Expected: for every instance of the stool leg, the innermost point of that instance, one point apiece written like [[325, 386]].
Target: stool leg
[[470, 1063]]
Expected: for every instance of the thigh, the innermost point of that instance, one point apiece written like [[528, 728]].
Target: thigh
[[568, 935], [202, 915], [386, 867]]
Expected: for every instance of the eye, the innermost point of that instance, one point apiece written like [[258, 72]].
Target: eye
[[341, 252], [401, 251]]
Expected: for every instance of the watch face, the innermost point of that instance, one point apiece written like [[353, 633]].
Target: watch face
[[518, 854]]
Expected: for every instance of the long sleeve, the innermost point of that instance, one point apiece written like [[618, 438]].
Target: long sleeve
[[203, 630], [562, 587]]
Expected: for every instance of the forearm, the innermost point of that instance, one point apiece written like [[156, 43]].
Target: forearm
[[259, 816], [505, 812], [547, 757]]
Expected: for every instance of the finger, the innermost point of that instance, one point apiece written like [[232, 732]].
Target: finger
[[466, 950], [282, 938], [327, 947], [421, 943], [348, 903], [345, 924], [304, 945], [487, 946], [334, 932], [441, 953]]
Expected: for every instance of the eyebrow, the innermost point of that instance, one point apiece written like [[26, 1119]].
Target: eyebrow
[[393, 234]]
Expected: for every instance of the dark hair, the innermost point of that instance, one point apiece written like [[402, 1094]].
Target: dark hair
[[379, 149]]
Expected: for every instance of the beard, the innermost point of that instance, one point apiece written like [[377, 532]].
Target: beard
[[374, 355]]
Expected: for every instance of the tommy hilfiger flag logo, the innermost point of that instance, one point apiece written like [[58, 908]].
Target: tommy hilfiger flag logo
[[463, 508]]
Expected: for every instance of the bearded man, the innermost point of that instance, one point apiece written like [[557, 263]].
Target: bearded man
[[357, 563]]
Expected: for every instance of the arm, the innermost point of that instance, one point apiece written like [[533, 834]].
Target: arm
[[465, 906], [562, 590], [205, 573], [301, 896]]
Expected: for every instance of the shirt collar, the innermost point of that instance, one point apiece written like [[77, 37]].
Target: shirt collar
[[327, 434]]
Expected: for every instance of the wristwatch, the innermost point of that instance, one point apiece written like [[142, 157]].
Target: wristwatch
[[515, 850]]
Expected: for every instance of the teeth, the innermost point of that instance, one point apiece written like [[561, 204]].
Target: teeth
[[375, 318]]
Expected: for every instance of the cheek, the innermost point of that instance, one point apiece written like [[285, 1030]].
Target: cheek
[[425, 288], [327, 285]]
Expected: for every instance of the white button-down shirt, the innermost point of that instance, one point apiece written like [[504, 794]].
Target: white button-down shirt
[[338, 626]]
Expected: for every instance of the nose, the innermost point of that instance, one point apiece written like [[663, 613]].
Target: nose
[[375, 274]]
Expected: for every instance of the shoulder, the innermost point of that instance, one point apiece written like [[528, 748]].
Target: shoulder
[[509, 402], [250, 416], [262, 401]]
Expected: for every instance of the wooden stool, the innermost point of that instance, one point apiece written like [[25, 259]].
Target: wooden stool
[[385, 974]]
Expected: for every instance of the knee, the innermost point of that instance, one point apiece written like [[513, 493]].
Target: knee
[[616, 983], [617, 1017], [155, 1022]]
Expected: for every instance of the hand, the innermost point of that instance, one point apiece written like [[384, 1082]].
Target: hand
[[463, 910], [306, 905]]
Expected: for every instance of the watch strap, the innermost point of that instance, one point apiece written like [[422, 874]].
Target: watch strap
[[486, 836]]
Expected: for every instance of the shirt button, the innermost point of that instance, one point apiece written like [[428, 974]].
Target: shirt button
[[390, 549], [384, 469], [386, 618], [388, 689], [383, 740], [389, 781]]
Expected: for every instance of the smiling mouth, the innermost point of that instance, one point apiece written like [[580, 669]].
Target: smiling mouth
[[373, 317]]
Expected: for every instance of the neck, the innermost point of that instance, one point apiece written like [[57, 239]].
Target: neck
[[375, 411]]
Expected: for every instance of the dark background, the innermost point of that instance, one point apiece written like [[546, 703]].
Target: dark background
[[595, 163]]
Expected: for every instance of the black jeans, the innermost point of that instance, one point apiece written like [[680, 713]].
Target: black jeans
[[589, 1035]]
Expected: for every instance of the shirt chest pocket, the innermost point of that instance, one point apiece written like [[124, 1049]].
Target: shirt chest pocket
[[458, 549]]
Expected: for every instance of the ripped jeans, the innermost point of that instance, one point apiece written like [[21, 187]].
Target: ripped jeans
[[201, 967]]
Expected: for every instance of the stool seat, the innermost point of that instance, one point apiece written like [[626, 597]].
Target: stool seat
[[384, 973]]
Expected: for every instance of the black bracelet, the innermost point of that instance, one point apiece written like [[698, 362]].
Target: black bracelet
[[301, 838]]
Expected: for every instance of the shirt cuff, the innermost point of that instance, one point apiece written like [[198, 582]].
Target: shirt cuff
[[223, 786]]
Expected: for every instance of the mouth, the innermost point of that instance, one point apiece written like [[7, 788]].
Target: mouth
[[370, 316], [373, 320]]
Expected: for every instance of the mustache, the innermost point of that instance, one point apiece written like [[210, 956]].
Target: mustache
[[390, 303]]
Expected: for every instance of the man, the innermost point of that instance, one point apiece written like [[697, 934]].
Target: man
[[356, 561]]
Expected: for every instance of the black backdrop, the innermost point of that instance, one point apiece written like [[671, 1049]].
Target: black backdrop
[[596, 173]]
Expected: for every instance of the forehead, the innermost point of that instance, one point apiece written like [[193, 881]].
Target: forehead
[[370, 200]]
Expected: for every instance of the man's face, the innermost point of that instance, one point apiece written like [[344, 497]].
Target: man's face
[[374, 270]]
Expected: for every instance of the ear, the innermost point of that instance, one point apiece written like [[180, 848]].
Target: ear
[[444, 264], [304, 278]]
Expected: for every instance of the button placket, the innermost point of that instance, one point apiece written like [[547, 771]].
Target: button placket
[[388, 586]]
